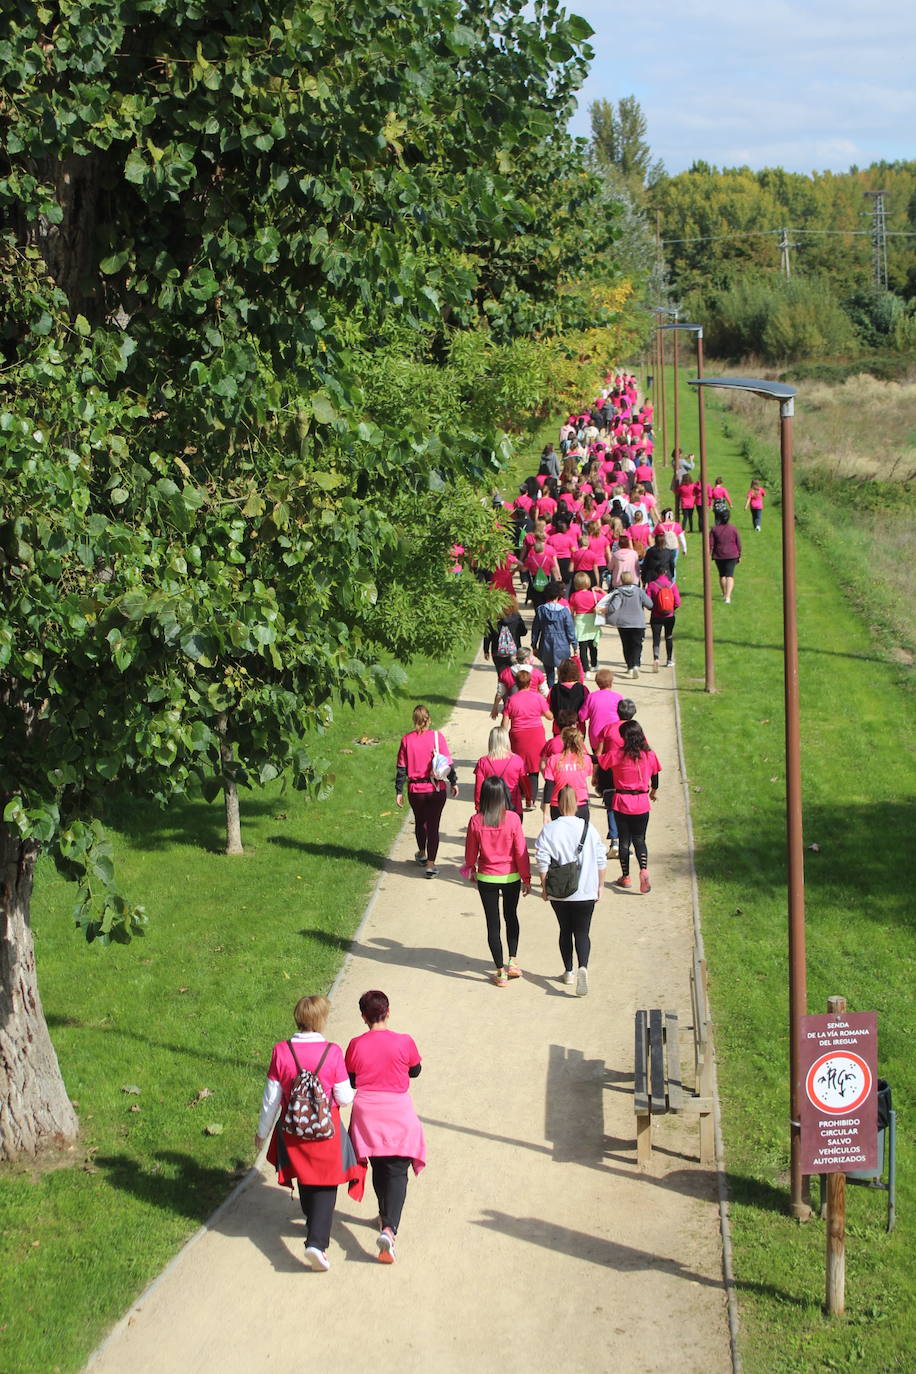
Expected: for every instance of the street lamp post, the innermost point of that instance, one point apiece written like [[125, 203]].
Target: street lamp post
[[798, 1000], [709, 662]]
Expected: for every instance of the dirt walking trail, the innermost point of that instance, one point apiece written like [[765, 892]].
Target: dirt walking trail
[[531, 1240]]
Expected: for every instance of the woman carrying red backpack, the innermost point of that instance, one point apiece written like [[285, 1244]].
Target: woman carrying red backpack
[[665, 599]]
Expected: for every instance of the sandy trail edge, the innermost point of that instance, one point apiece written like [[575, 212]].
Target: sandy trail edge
[[531, 1236]]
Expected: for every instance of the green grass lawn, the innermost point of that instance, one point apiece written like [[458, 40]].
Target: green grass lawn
[[193, 1008], [857, 774]]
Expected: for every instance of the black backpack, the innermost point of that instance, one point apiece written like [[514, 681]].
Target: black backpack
[[721, 507]]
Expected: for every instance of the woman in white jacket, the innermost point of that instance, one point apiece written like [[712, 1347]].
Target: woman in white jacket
[[559, 841]]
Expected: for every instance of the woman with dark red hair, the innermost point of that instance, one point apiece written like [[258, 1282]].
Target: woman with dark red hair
[[384, 1127]]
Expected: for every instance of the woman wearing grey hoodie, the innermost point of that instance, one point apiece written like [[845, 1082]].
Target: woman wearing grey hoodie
[[625, 609]]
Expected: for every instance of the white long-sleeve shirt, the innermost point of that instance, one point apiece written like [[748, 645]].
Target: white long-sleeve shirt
[[273, 1091]]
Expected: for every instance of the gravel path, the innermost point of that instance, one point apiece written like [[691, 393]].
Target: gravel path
[[531, 1240]]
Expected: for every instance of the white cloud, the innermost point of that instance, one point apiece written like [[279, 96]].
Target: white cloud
[[817, 85]]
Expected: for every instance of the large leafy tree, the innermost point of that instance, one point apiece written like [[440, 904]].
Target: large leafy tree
[[219, 219]]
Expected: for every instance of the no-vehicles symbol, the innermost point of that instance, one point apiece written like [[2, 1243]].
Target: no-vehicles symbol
[[839, 1082]]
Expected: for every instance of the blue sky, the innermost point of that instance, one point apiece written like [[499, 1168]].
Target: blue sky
[[815, 86]]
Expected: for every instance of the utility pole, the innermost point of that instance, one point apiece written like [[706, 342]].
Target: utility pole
[[879, 238], [784, 246]]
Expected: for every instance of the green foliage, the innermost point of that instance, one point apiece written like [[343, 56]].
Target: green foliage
[[234, 943], [721, 228], [239, 246], [858, 809], [774, 318], [619, 144]]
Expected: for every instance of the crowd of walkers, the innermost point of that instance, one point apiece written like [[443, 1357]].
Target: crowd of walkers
[[594, 546]]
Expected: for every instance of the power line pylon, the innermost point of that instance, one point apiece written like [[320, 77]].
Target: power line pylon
[[879, 238], [784, 246]]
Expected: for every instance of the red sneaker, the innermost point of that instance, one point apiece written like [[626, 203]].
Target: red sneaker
[[644, 884], [623, 881]]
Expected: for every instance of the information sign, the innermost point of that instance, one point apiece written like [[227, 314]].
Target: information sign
[[839, 1099]]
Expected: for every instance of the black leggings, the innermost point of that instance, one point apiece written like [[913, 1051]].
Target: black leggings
[[588, 650], [389, 1181], [489, 896], [631, 643], [533, 780], [427, 813], [657, 626], [574, 919], [317, 1205], [687, 518], [631, 830]]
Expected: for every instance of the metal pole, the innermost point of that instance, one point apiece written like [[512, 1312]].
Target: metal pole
[[798, 996], [677, 437], [709, 651], [663, 433], [836, 1220]]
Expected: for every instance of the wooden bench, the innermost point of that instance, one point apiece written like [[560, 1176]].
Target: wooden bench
[[658, 1087]]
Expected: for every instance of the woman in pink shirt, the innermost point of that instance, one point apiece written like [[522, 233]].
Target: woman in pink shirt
[[571, 767], [317, 1166], [623, 559], [496, 858], [635, 768], [688, 493], [384, 1126], [524, 713], [754, 503], [425, 793], [500, 762]]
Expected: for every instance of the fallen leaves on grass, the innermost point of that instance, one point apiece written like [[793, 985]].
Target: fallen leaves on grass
[[131, 1088], [202, 1094], [213, 1128], [367, 739]]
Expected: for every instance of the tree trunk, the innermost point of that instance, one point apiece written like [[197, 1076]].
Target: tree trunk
[[230, 791], [35, 1111]]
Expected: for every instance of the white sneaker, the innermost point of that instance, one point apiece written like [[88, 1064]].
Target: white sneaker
[[568, 976], [634, 672], [728, 601], [432, 872], [316, 1258], [582, 982], [384, 1242]]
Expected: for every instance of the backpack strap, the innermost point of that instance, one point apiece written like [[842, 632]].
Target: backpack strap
[[582, 841], [324, 1056]]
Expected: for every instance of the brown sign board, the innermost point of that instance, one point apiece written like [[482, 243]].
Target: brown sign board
[[839, 1092]]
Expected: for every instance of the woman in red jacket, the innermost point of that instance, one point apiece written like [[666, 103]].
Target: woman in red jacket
[[496, 858]]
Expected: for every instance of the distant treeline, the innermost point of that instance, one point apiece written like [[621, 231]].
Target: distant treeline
[[783, 265]]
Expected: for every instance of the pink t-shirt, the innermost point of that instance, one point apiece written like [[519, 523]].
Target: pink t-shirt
[[584, 602], [526, 709], [633, 775], [380, 1059], [546, 506], [561, 770], [497, 850], [755, 498], [511, 769], [562, 544], [416, 755], [283, 1067], [584, 560], [598, 711]]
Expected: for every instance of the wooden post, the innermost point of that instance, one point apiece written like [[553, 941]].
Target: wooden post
[[836, 1220]]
